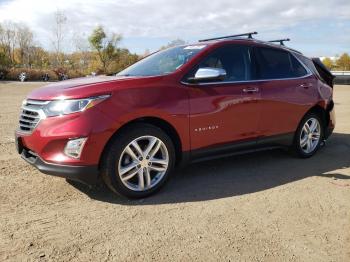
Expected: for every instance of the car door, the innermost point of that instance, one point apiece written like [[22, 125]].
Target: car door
[[287, 92], [225, 111]]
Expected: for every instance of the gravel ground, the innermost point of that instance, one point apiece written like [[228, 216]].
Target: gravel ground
[[264, 206]]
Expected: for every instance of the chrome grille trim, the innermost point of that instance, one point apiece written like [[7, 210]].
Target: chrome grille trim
[[27, 115], [26, 124], [31, 115], [37, 102]]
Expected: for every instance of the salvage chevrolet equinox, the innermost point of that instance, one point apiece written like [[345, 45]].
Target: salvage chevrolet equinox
[[184, 104]]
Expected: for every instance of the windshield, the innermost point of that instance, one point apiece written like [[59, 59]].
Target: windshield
[[163, 62]]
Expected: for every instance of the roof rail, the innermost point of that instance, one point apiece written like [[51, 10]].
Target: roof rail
[[229, 36], [281, 41]]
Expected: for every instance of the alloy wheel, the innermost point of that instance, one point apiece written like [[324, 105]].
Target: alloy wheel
[[310, 135], [143, 163]]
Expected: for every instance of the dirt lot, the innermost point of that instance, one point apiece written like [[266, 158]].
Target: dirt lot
[[259, 207]]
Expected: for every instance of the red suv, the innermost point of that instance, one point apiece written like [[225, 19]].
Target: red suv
[[183, 104]]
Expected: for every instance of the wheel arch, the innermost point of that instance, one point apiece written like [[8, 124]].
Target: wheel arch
[[321, 111], [164, 125]]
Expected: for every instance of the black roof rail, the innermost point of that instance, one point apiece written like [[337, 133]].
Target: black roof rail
[[281, 41], [229, 36]]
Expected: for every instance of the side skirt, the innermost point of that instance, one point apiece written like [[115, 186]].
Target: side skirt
[[238, 148]]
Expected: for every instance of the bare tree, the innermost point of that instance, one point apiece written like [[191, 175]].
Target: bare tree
[[173, 43], [59, 34], [8, 40], [146, 53], [82, 48], [24, 39]]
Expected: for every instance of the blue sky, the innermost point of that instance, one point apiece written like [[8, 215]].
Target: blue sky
[[317, 28]]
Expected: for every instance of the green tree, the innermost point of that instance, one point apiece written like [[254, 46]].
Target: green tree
[[328, 63], [105, 46], [343, 62], [124, 59], [4, 61]]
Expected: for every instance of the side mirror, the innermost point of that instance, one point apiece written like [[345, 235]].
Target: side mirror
[[208, 74]]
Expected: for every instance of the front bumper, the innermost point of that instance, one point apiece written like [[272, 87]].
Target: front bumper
[[84, 174], [44, 146]]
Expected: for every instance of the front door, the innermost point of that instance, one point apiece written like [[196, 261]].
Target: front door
[[228, 110]]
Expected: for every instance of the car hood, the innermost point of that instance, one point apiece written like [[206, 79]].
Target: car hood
[[86, 87]]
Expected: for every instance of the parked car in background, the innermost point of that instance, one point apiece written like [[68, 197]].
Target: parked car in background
[[45, 77], [189, 103], [23, 77], [62, 76]]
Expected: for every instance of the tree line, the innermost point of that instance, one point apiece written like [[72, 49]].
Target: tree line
[[341, 63], [99, 52]]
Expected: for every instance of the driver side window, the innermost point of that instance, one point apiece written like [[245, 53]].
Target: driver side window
[[234, 59]]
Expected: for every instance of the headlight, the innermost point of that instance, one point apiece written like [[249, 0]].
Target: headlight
[[69, 106]]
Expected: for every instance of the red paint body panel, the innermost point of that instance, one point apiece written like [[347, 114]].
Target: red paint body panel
[[203, 116], [151, 97], [222, 113], [284, 103]]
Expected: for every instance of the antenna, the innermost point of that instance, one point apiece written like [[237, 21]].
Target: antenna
[[281, 41], [250, 36]]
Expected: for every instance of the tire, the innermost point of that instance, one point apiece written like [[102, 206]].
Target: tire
[[312, 136], [134, 169]]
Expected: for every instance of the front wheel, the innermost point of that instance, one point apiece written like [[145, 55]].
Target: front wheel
[[309, 135], [139, 161]]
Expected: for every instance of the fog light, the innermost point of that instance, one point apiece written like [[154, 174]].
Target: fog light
[[74, 147]]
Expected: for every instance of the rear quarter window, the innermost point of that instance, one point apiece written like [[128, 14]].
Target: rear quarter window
[[308, 62], [278, 64]]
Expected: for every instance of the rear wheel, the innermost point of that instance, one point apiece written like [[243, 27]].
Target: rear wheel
[[309, 135], [139, 161]]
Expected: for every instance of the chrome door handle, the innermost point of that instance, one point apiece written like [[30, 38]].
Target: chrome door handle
[[251, 90], [305, 85]]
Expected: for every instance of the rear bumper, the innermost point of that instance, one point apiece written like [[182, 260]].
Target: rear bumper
[[328, 132], [84, 174], [331, 123]]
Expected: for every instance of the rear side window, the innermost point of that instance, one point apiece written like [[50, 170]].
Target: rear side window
[[235, 59], [309, 64], [318, 70], [278, 64]]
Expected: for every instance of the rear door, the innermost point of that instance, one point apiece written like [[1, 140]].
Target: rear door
[[287, 91]]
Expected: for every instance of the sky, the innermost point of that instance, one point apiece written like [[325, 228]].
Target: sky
[[316, 28]]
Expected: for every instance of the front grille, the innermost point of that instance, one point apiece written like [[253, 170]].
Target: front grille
[[31, 114]]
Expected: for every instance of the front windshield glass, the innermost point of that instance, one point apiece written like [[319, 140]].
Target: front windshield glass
[[163, 62]]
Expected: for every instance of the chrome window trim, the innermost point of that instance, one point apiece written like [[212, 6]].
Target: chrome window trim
[[246, 81]]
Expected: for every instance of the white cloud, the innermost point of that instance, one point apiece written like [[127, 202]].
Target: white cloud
[[190, 19]]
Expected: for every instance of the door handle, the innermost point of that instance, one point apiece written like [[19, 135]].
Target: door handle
[[305, 85], [250, 90]]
